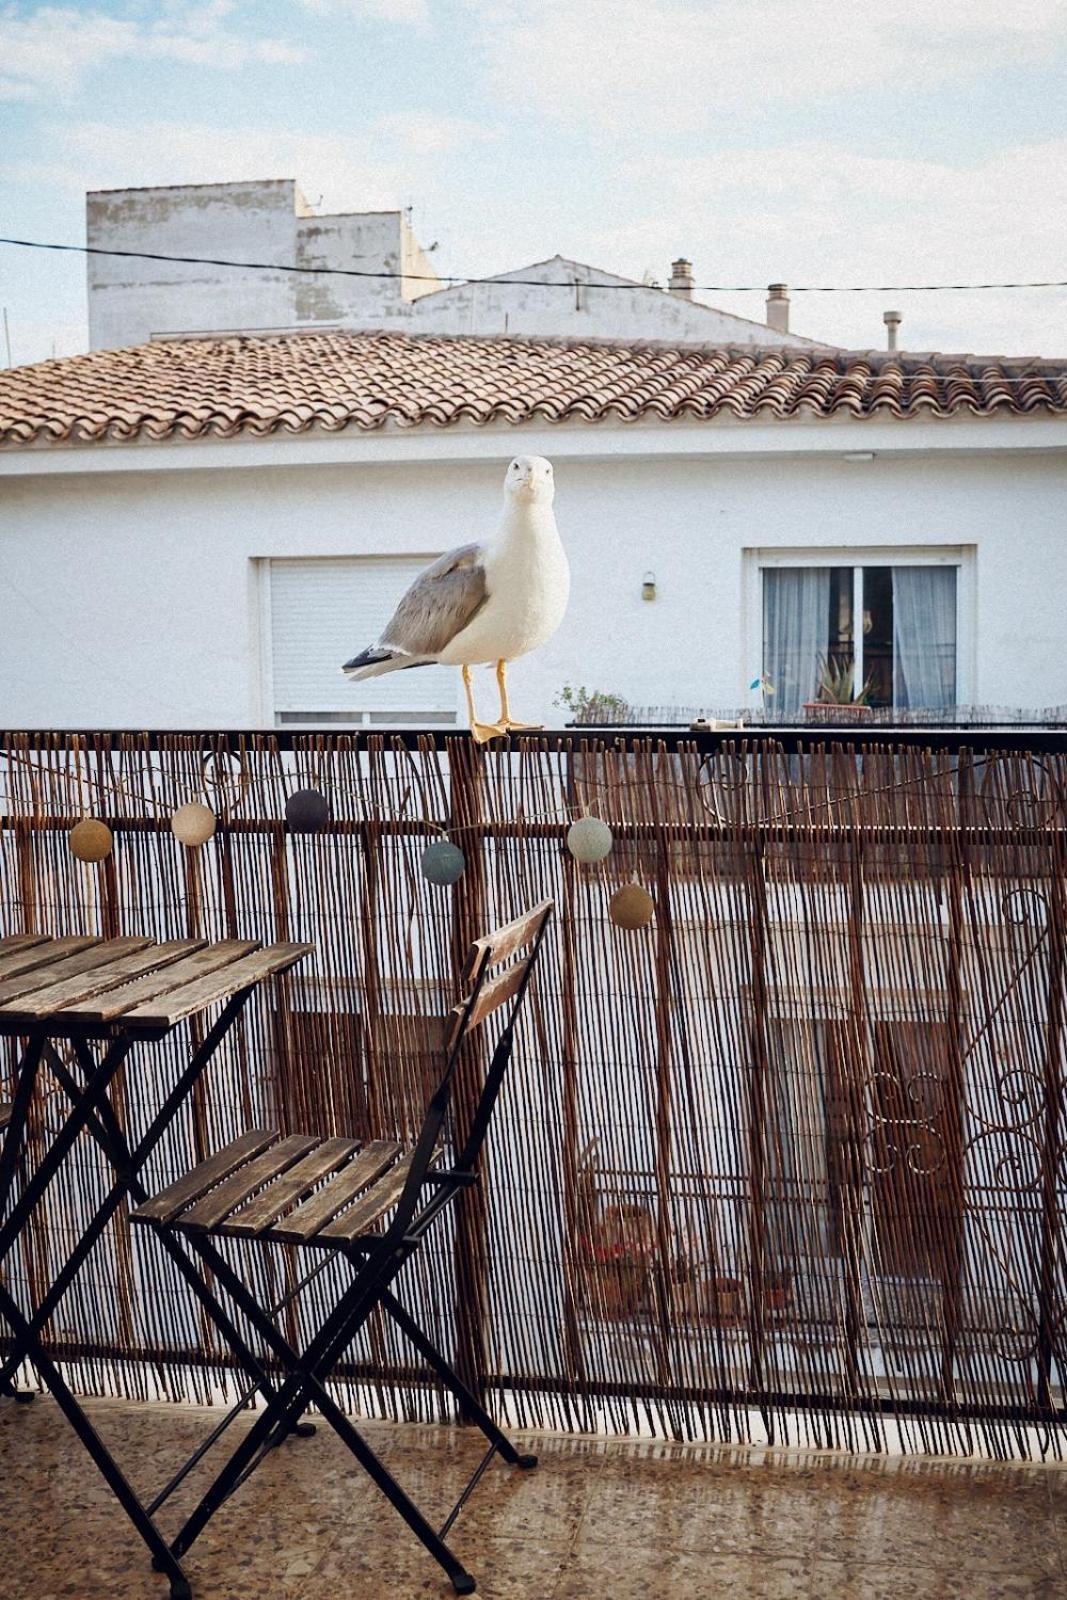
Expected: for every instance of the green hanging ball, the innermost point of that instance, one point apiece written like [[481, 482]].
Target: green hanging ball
[[443, 863], [307, 811], [192, 824], [90, 840], [589, 839]]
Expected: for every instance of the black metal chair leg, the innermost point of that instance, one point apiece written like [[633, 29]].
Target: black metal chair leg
[[471, 1404]]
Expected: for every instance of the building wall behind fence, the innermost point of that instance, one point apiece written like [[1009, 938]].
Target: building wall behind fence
[[131, 597], [788, 1162]]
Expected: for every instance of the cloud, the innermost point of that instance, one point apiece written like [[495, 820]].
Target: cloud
[[425, 135], [406, 12], [673, 64], [379, 168], [823, 213], [54, 49]]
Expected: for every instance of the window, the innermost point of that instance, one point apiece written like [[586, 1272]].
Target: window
[[887, 628], [317, 614]]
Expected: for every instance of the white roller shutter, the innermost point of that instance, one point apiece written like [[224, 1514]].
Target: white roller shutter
[[323, 612]]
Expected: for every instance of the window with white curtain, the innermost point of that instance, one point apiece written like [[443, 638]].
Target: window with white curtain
[[892, 627]]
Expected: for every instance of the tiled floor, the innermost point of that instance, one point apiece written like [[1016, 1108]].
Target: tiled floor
[[598, 1520]]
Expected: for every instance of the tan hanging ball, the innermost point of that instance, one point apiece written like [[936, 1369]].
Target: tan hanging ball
[[90, 839], [193, 824], [631, 907]]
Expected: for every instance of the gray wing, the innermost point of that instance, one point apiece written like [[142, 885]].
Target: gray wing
[[439, 604]]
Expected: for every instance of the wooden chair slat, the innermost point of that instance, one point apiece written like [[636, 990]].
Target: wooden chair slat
[[56, 997], [166, 1205], [498, 991], [40, 953], [217, 1204], [303, 1223], [5, 1113], [276, 1199], [373, 1205], [20, 941], [106, 1008], [505, 941], [97, 954], [203, 992]]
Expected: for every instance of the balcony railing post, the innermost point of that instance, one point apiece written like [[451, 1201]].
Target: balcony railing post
[[470, 920]]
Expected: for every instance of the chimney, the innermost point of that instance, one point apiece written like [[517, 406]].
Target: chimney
[[681, 282], [778, 307], [892, 320]]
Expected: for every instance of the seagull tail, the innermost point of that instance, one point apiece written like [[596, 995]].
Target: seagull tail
[[380, 658]]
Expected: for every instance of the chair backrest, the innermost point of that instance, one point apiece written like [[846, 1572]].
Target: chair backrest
[[496, 976]]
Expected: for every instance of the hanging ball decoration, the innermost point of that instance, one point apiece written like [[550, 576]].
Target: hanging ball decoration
[[90, 839], [631, 907], [589, 839], [307, 811], [192, 824], [443, 863]]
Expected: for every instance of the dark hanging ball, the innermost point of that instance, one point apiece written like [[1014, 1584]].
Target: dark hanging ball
[[307, 811], [443, 863]]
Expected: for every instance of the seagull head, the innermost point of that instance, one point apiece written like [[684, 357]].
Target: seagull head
[[529, 480]]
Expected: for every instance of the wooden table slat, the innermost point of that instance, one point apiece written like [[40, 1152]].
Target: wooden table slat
[[106, 1008], [286, 1190], [41, 953], [203, 992], [54, 998], [165, 1205], [303, 1223], [21, 941], [96, 955], [233, 1191]]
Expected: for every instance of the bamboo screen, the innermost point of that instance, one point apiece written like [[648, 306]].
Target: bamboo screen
[[787, 1162]]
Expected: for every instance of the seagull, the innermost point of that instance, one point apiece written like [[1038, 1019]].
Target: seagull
[[489, 602]]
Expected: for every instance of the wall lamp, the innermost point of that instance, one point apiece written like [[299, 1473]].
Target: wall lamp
[[648, 586]]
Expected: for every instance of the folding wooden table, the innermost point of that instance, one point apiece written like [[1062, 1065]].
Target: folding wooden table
[[101, 996]]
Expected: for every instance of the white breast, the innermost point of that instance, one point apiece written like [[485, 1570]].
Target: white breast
[[528, 578]]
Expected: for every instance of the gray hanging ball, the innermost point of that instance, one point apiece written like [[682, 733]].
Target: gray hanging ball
[[307, 811], [589, 839], [443, 862]]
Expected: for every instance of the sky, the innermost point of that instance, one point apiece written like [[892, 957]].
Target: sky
[[802, 141]]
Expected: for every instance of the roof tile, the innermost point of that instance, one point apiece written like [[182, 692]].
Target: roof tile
[[256, 386]]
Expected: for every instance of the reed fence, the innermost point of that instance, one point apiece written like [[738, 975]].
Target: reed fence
[[788, 1162]]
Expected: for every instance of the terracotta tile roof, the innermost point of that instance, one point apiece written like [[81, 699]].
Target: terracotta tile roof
[[254, 386]]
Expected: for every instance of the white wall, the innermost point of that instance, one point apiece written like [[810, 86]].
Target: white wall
[[579, 309], [128, 598], [130, 300]]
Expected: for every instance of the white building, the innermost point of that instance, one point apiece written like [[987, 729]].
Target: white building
[[198, 532], [377, 276]]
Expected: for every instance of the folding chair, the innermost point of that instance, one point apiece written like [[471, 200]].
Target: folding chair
[[334, 1195]]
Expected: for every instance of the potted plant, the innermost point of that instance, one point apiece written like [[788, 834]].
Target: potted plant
[[838, 701], [777, 1291], [725, 1300], [618, 1257]]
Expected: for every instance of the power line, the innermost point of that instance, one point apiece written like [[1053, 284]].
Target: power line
[[533, 283]]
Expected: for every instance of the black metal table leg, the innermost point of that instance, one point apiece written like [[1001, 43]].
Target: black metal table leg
[[91, 1110], [98, 1451]]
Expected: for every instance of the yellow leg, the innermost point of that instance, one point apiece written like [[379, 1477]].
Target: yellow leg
[[481, 732], [506, 719]]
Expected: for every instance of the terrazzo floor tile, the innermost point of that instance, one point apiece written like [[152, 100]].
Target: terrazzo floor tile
[[599, 1519]]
